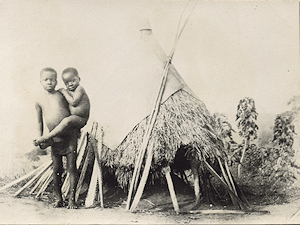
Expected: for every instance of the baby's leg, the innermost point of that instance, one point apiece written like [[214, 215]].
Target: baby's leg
[[57, 172], [72, 121], [72, 169]]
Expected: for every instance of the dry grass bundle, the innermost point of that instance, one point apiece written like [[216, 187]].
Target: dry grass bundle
[[182, 121]]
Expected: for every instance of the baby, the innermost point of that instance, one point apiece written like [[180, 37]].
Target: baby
[[79, 105]]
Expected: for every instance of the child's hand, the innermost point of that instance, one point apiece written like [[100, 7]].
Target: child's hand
[[62, 90]]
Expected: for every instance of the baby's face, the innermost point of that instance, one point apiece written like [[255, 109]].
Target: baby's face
[[71, 81], [48, 80]]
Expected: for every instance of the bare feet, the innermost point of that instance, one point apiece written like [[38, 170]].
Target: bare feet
[[58, 204], [39, 141], [72, 205], [44, 144]]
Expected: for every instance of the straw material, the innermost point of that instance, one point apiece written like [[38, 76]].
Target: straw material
[[183, 120]]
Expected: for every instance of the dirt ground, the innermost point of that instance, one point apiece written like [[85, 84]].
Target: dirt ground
[[154, 208]]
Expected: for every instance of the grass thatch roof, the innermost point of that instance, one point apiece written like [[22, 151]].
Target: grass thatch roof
[[182, 120]]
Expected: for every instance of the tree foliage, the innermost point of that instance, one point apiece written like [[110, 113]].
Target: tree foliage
[[223, 129], [280, 167], [284, 130], [269, 168], [246, 117]]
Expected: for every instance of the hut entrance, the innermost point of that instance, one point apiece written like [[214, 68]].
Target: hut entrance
[[188, 169]]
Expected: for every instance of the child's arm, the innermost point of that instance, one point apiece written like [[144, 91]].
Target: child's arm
[[77, 95], [39, 118]]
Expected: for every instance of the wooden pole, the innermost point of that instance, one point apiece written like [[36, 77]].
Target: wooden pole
[[171, 189], [86, 162], [65, 187], [39, 183], [228, 183], [80, 152], [23, 177], [98, 152], [241, 194], [215, 211], [81, 141], [242, 159], [81, 149], [83, 171], [97, 172], [49, 178], [31, 181], [143, 181], [243, 206], [230, 178], [92, 187], [149, 130], [152, 118], [146, 140]]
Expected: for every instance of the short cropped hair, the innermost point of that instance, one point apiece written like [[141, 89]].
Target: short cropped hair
[[71, 70], [48, 69]]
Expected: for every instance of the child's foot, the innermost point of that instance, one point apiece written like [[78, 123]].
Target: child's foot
[[34, 143], [38, 141], [58, 204], [72, 205], [46, 144]]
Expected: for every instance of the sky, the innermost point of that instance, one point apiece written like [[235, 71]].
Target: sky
[[228, 50]]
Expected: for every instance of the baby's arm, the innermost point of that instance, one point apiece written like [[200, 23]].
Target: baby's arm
[[39, 118], [77, 95]]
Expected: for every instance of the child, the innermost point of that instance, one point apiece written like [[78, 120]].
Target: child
[[79, 105], [53, 107]]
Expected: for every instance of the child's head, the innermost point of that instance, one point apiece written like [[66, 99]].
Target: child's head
[[48, 79], [71, 78]]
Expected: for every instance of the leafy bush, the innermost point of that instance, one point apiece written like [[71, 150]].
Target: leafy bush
[[272, 168], [279, 162], [253, 160], [268, 170]]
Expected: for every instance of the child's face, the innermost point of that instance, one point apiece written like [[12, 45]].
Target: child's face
[[71, 81], [48, 80]]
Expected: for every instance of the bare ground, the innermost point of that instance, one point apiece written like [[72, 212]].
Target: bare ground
[[154, 208]]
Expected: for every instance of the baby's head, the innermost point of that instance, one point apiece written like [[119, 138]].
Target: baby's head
[[48, 79], [71, 78]]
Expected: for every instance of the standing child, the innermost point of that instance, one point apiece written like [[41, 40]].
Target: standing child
[[53, 107], [79, 105]]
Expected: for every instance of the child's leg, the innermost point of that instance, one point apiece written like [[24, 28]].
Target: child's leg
[[57, 172], [72, 121], [72, 169]]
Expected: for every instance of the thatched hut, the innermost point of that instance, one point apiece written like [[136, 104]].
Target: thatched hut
[[183, 120]]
